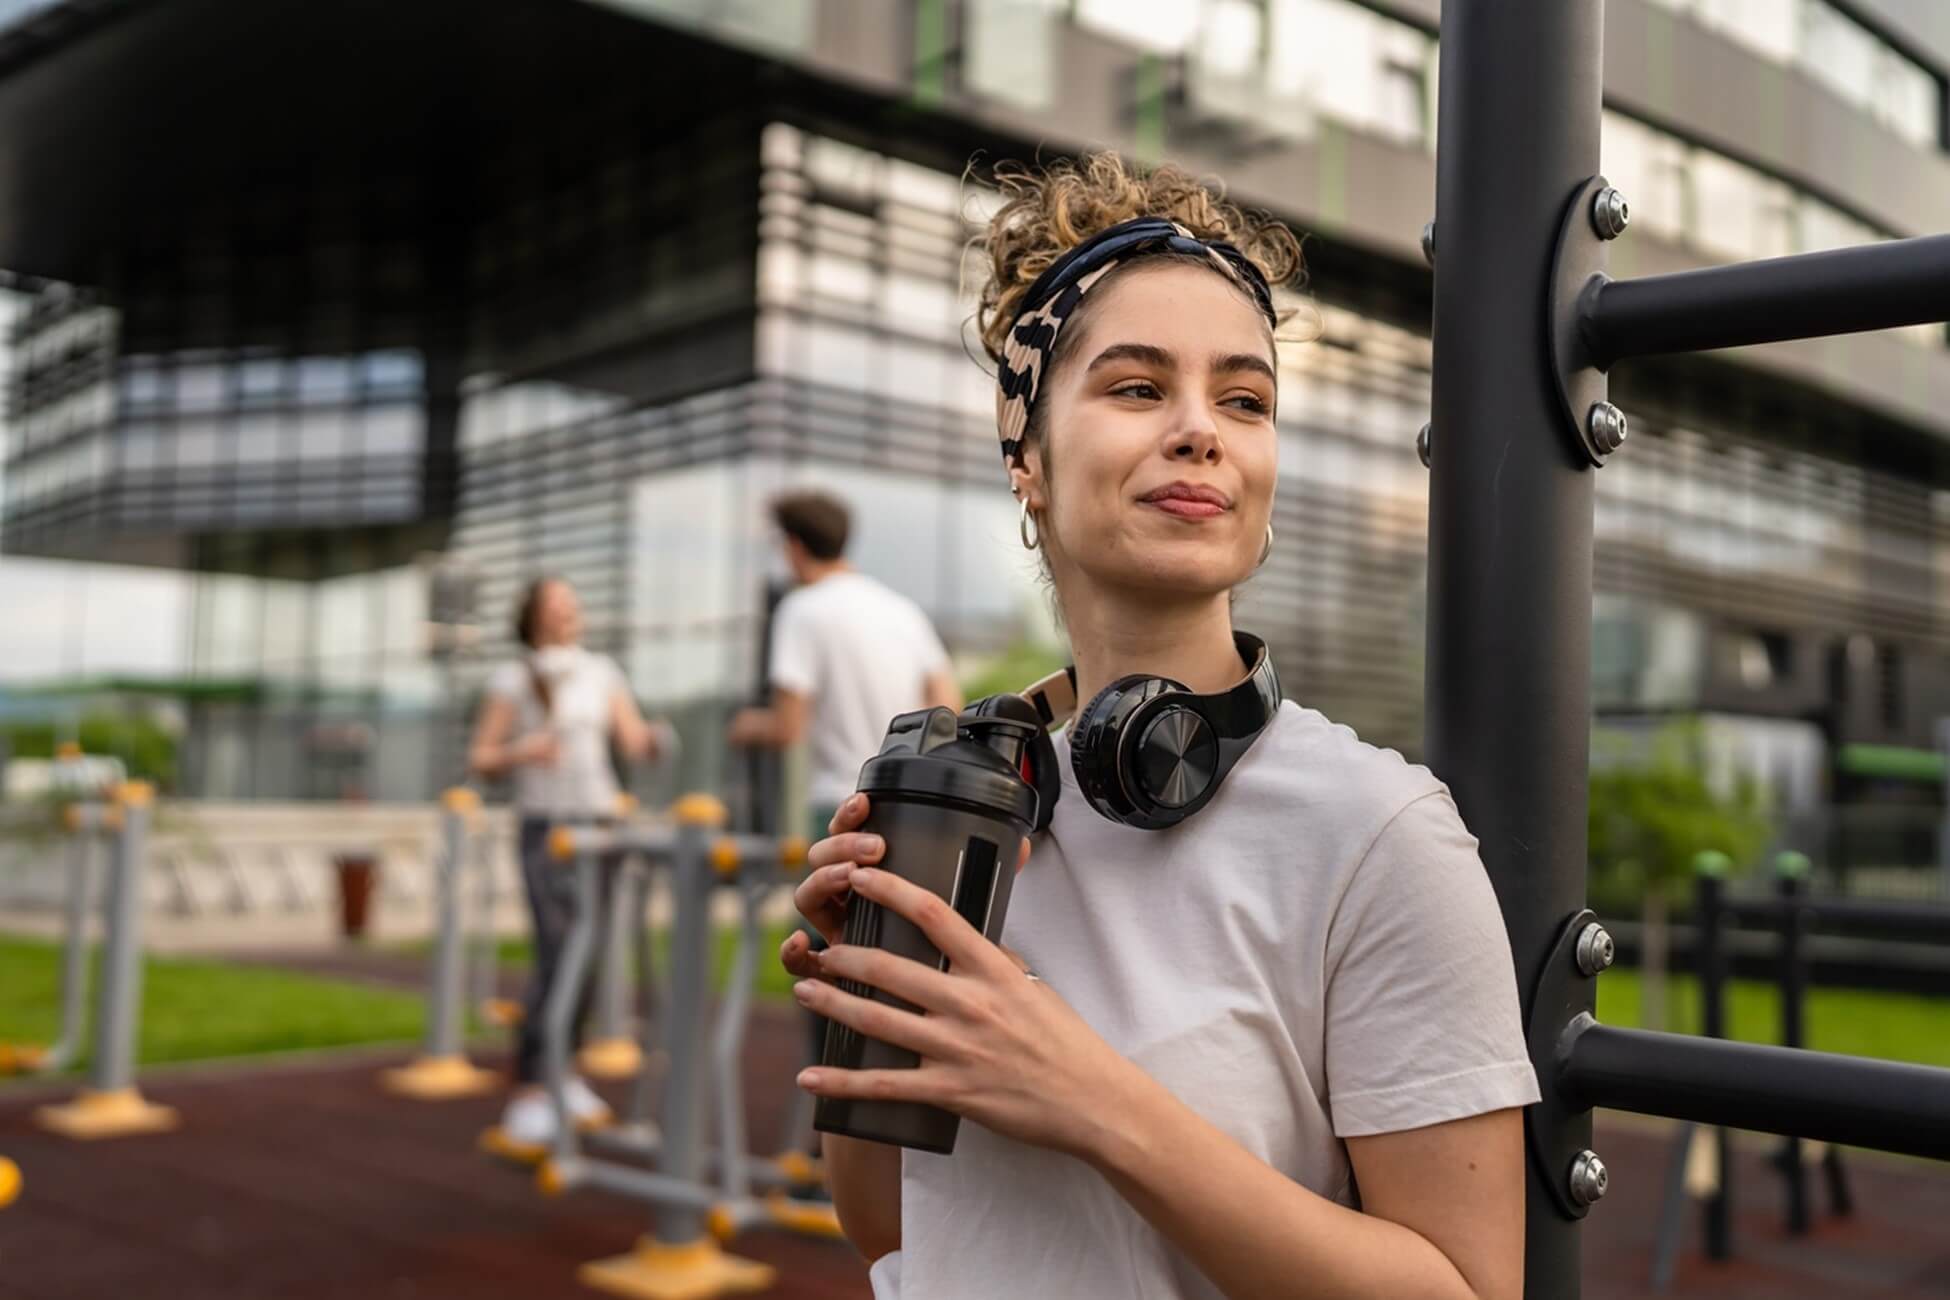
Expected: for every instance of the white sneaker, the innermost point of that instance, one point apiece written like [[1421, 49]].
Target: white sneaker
[[529, 1120], [584, 1106]]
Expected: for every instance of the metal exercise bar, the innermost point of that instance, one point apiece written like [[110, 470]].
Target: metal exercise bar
[[1809, 295], [1510, 515], [1852, 1100]]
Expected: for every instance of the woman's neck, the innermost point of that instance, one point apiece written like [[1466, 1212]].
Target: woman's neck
[[1113, 635]]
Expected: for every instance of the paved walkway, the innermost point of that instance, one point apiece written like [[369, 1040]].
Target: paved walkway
[[304, 1181]]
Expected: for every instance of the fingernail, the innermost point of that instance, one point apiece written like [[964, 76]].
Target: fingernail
[[842, 870], [802, 990], [863, 876], [808, 1078], [872, 844]]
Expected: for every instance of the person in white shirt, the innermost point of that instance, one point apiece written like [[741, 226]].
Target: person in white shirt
[[848, 654], [549, 720], [1271, 1050]]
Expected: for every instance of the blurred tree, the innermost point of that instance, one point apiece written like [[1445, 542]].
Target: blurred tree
[[1651, 811], [1025, 661]]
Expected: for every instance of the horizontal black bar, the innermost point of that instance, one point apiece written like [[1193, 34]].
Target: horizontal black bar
[[1811, 295], [1863, 917], [1847, 1099]]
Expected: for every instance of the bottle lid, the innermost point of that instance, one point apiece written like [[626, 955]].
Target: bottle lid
[[933, 754]]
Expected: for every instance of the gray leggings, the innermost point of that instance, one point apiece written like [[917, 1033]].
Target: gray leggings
[[551, 889]]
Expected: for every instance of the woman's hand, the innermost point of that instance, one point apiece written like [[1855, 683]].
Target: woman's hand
[[996, 1046], [821, 897], [536, 749]]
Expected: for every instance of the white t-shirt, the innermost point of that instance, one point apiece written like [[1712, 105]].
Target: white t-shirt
[[1315, 955], [581, 783], [862, 653]]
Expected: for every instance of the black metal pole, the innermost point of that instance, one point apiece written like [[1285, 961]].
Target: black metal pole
[[1718, 1211], [1509, 637], [1794, 985], [1887, 1105], [1810, 295]]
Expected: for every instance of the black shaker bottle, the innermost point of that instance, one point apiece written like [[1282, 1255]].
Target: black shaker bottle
[[950, 797]]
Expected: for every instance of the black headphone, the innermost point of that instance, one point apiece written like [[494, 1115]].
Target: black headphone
[[1148, 751]]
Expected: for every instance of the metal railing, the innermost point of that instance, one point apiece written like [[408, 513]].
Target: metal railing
[[1525, 325]]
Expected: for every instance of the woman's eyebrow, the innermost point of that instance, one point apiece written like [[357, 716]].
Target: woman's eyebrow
[[1141, 352], [1233, 362]]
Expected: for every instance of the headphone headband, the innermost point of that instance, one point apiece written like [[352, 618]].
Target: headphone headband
[[1148, 751]]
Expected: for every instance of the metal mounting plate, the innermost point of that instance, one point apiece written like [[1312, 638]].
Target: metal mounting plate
[[1576, 267], [1558, 1130]]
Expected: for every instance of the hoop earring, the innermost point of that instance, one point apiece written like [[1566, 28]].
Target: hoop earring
[[1266, 551], [1027, 528]]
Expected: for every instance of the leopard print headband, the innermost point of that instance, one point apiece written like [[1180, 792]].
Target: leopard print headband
[[1053, 299]]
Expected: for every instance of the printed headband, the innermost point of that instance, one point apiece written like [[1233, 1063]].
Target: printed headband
[[1053, 299]]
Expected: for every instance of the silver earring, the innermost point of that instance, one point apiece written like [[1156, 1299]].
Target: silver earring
[[1027, 529], [1266, 552]]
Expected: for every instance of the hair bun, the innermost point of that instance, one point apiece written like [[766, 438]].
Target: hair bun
[[1048, 211]]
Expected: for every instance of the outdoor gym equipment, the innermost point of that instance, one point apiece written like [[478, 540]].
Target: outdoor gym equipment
[[613, 1051], [24, 1058], [696, 1211], [111, 1105], [442, 1069], [1526, 327], [9, 1182], [61, 1053]]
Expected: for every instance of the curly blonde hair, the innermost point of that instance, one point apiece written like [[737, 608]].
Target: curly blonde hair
[[1048, 211]]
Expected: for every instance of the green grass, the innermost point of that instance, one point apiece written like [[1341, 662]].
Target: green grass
[[195, 1009], [1859, 1022]]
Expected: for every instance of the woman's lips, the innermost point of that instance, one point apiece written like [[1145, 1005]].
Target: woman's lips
[[1185, 508]]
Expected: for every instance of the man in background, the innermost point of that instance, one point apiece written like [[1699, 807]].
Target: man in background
[[848, 654]]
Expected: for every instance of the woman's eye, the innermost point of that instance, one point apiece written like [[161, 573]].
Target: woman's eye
[[1137, 388], [1248, 402]]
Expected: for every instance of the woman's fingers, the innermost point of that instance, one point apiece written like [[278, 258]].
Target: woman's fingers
[[876, 1020], [850, 815], [908, 980], [965, 947], [797, 956], [848, 846], [928, 1084]]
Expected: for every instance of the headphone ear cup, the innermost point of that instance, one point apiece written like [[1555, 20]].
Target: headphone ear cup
[[1093, 747]]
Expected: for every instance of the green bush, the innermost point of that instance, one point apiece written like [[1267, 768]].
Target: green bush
[[145, 748], [1652, 811]]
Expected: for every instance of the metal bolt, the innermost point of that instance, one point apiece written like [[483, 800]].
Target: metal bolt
[[1422, 446], [1610, 213], [1428, 242], [1589, 1178], [1607, 425], [1596, 951]]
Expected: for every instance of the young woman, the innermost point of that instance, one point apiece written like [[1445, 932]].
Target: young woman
[[549, 720], [1273, 1050]]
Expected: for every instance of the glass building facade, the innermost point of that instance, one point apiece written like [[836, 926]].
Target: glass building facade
[[666, 325]]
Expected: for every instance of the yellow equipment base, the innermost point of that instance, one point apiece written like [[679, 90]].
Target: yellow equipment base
[[9, 1182], [807, 1218], [22, 1058], [611, 1058], [697, 1270], [503, 1013], [120, 1113], [437, 1078]]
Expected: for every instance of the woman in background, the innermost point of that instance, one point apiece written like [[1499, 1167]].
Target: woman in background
[[550, 721]]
